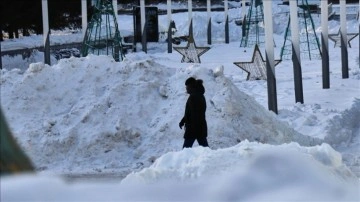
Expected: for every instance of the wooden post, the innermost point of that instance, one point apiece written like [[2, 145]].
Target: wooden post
[[47, 49], [243, 9], [116, 49], [325, 44], [46, 32], [243, 25], [169, 26], [295, 38], [84, 16], [269, 52], [208, 6], [115, 6], [226, 8], [0, 57], [143, 25], [343, 35], [190, 16]]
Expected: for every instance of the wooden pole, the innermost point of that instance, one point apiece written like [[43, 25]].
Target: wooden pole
[[343, 35], [46, 33], [168, 3], [0, 57], [226, 11], [115, 6], [243, 9], [190, 15], [208, 6], [84, 16], [295, 38], [169, 26], [269, 52], [325, 44], [143, 25]]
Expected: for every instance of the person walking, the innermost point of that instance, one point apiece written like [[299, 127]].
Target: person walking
[[194, 118]]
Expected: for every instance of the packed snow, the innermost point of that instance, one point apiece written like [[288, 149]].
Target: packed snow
[[102, 130]]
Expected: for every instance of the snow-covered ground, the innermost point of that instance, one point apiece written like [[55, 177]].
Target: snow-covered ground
[[118, 122]]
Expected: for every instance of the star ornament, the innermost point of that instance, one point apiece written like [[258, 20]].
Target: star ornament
[[336, 38], [256, 69], [191, 53]]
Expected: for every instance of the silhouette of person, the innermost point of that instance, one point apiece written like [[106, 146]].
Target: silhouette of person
[[194, 118]]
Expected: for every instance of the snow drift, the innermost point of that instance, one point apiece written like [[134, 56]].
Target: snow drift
[[126, 113], [261, 172]]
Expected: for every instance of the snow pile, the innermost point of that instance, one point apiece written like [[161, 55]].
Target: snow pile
[[343, 128], [121, 116], [343, 135], [192, 164], [245, 172], [93, 117]]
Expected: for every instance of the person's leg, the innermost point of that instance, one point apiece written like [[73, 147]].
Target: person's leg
[[188, 142], [203, 141]]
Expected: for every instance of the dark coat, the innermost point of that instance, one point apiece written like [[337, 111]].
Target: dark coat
[[194, 118]]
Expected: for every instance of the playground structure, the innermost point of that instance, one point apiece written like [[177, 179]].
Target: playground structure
[[102, 36], [252, 26], [96, 42], [309, 42], [255, 11]]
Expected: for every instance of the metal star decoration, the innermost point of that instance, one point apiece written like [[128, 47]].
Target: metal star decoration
[[336, 38], [256, 69], [191, 53]]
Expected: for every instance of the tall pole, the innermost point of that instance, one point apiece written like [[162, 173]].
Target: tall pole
[[0, 57], [169, 26], [168, 3], [143, 28], [243, 12], [208, 6], [343, 35], [115, 6], [46, 33], [45, 18], [226, 8], [296, 51], [84, 16], [243, 9], [269, 52], [325, 44], [190, 15]]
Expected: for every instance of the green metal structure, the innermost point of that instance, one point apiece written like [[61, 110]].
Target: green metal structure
[[309, 42], [252, 28], [102, 36]]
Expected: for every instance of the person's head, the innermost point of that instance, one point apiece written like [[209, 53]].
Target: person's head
[[190, 84], [194, 85]]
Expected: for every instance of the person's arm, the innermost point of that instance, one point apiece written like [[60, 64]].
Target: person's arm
[[186, 114]]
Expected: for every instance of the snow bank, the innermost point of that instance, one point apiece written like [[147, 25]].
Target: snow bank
[[261, 172], [344, 128], [122, 116], [343, 133], [191, 164]]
